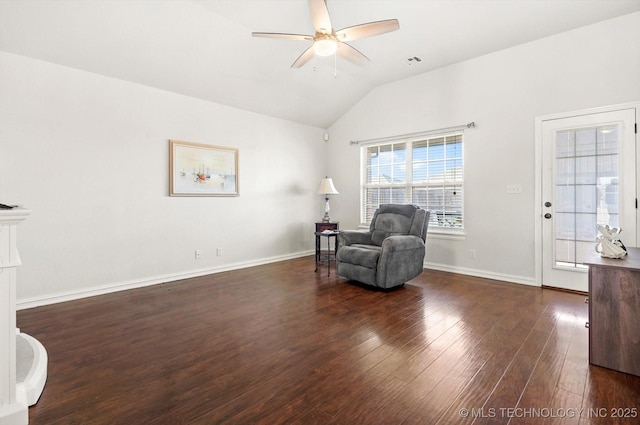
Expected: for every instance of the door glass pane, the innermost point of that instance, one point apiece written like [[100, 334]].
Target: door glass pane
[[566, 171], [565, 201], [608, 140], [565, 226], [586, 189], [610, 207], [586, 142], [565, 144], [584, 248], [586, 228], [565, 252], [586, 199], [586, 170]]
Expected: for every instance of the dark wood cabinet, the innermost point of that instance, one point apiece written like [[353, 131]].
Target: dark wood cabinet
[[614, 312]]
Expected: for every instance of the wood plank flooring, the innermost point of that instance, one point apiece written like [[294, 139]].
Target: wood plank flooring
[[280, 344]]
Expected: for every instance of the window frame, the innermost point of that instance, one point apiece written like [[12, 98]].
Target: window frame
[[409, 185]]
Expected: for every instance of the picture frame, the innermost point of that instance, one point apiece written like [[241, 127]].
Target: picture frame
[[197, 169]]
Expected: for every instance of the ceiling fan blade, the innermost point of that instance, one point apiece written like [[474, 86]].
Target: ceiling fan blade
[[351, 54], [303, 58], [320, 16], [367, 30], [282, 36]]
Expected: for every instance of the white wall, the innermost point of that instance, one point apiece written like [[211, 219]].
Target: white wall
[[502, 93], [89, 155]]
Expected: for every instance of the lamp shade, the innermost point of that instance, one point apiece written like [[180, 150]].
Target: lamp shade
[[327, 187]]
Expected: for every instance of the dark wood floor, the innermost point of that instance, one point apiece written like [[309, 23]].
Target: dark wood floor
[[280, 344]]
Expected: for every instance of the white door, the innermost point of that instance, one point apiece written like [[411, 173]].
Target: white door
[[588, 178]]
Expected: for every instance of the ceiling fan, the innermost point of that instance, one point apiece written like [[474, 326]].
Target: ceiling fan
[[326, 41]]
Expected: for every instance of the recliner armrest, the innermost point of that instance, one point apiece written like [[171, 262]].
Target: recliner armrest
[[401, 259], [350, 237], [401, 243]]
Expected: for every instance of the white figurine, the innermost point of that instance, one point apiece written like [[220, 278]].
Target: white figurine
[[608, 243]]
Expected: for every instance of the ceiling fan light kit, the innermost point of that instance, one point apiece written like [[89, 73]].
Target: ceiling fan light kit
[[327, 42], [325, 47]]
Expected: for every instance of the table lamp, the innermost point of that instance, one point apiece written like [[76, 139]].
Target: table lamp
[[327, 188]]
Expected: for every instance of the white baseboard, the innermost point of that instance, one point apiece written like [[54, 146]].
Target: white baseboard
[[132, 284], [24, 304], [522, 280]]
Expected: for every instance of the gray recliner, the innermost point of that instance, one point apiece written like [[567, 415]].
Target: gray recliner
[[391, 252]]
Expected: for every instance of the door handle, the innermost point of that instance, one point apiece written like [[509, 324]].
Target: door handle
[[547, 216]]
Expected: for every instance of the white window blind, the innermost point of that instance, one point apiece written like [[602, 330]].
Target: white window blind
[[425, 171]]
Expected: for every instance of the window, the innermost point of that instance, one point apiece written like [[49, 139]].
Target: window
[[424, 171]]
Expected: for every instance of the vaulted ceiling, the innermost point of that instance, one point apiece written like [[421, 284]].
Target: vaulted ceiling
[[204, 48]]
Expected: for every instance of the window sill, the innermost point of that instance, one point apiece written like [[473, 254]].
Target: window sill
[[436, 233], [439, 233]]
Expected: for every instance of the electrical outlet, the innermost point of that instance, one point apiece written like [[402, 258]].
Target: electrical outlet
[[219, 252], [197, 254], [514, 188], [472, 254]]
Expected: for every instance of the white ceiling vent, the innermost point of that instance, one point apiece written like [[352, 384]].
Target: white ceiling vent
[[413, 60]]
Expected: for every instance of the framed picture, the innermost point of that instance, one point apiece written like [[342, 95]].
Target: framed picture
[[196, 169]]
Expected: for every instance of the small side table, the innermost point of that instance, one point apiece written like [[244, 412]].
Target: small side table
[[328, 230]]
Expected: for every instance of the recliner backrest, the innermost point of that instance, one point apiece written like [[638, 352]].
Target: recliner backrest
[[397, 219]]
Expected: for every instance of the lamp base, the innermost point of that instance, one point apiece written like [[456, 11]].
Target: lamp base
[[326, 218]]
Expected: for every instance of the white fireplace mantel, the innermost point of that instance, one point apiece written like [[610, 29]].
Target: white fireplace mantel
[[23, 360]]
